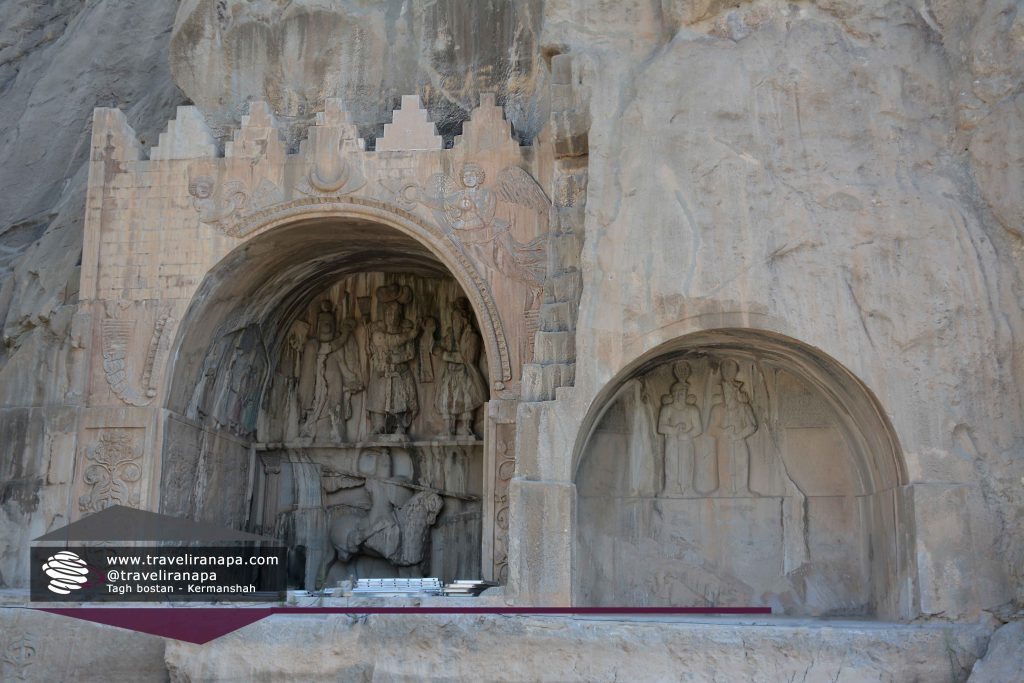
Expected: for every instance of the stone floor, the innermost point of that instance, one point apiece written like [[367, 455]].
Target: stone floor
[[40, 646]]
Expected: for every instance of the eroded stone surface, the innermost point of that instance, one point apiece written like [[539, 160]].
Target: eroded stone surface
[[296, 54], [724, 479], [805, 168], [842, 173], [456, 648], [35, 646], [1004, 658]]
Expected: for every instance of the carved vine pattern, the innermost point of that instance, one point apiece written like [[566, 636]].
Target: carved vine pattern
[[115, 467], [19, 652], [505, 463]]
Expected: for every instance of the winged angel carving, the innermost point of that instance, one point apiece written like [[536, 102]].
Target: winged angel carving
[[467, 209]]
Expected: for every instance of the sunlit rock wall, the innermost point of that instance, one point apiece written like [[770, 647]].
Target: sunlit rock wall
[[844, 173], [847, 174]]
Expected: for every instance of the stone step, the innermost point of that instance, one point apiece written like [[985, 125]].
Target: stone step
[[541, 381], [555, 347], [564, 287], [563, 251], [558, 316]]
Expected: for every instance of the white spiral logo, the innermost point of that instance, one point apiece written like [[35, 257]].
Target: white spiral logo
[[67, 572]]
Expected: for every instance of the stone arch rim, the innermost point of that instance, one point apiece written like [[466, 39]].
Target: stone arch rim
[[698, 339], [430, 236]]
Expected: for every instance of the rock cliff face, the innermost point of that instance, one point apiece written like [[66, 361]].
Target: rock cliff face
[[845, 173], [294, 54], [838, 172], [58, 60]]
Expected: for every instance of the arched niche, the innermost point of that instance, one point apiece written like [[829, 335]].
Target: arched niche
[[327, 388], [742, 468]]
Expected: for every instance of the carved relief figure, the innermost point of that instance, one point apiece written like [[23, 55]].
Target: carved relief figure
[[680, 423], [244, 381], [17, 655], [731, 421], [217, 202], [116, 341], [402, 536], [200, 406], [289, 375], [391, 395], [397, 525], [468, 210], [331, 358], [462, 389], [472, 207]]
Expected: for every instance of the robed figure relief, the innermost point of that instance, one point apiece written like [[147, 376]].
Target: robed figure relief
[[391, 399], [285, 388], [462, 389], [246, 372], [331, 375], [730, 423], [680, 423]]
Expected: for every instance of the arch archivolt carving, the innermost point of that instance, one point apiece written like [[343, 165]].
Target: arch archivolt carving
[[477, 288]]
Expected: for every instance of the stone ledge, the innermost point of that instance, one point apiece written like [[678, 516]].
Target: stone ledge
[[580, 649], [471, 647]]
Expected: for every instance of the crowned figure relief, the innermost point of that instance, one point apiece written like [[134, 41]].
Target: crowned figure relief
[[331, 369], [391, 399], [680, 423]]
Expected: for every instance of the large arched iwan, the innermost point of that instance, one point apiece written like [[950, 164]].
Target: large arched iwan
[[231, 424]]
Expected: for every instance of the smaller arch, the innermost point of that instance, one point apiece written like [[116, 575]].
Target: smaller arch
[[743, 467]]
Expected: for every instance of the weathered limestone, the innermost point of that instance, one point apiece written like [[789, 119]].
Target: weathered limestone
[[224, 54], [186, 137], [835, 182], [560, 649], [1004, 658], [35, 646], [751, 176], [40, 646], [343, 313], [410, 129], [732, 478]]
